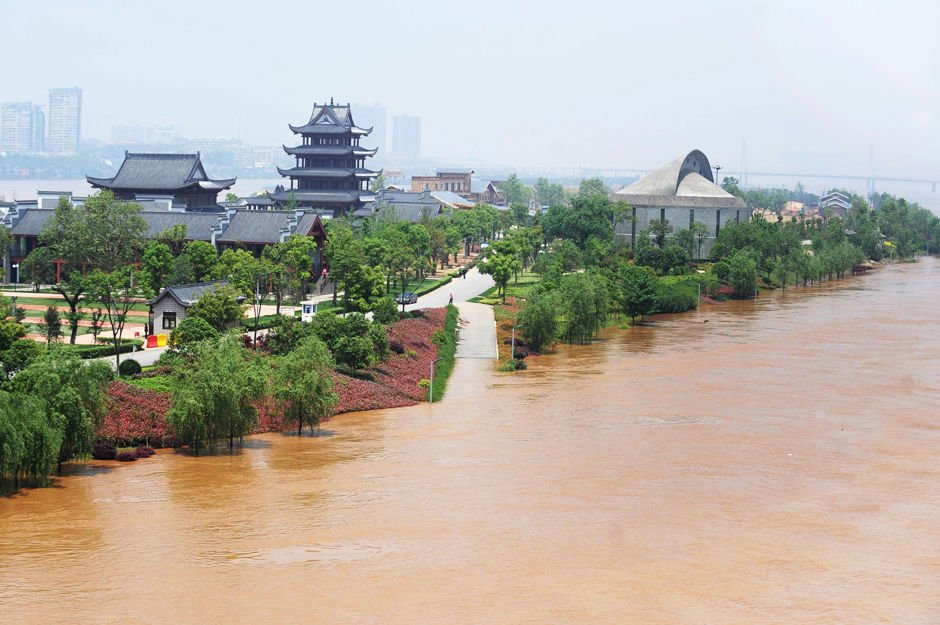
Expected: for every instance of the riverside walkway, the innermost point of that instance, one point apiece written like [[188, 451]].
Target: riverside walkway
[[476, 332]]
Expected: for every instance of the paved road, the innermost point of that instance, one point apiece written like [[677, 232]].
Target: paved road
[[462, 289], [477, 331], [477, 334]]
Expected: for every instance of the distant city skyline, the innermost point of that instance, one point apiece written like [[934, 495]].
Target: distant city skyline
[[629, 84]]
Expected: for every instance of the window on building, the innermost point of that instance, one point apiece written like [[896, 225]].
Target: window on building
[[169, 320]]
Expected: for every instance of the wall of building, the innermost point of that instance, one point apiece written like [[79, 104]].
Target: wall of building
[[167, 304], [680, 218]]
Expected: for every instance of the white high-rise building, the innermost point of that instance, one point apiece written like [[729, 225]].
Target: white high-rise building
[[65, 120], [16, 127]]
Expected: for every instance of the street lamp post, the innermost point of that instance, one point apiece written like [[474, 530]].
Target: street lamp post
[[14, 307], [513, 349], [717, 169], [431, 385], [16, 268], [257, 311]]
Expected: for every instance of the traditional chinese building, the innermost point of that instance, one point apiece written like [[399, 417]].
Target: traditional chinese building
[[180, 179], [330, 173]]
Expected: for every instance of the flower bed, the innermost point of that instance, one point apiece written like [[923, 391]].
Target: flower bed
[[136, 415]]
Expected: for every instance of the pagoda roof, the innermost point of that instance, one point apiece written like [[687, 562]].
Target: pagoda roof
[[329, 150], [325, 197], [330, 119], [164, 172], [327, 172]]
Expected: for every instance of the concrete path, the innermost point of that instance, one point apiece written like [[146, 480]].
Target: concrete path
[[462, 288], [476, 332]]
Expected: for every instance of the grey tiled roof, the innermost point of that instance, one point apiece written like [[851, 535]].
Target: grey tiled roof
[[255, 227], [188, 294], [198, 225], [329, 150], [326, 172], [31, 221], [160, 171], [330, 197]]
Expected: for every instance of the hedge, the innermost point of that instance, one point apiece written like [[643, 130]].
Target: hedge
[[100, 351]]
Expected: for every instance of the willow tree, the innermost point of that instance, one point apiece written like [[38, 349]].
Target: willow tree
[[72, 394], [216, 394], [29, 440], [303, 386]]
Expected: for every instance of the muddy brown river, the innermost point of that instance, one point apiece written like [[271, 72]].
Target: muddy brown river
[[769, 461]]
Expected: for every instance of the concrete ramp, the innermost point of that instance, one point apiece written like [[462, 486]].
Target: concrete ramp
[[476, 331]]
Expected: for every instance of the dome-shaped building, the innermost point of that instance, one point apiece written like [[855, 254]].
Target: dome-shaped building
[[682, 193]]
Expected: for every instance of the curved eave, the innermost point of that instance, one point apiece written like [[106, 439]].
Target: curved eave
[[216, 185], [301, 172], [328, 129], [99, 182]]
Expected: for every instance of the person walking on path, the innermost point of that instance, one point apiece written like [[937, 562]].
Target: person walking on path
[[450, 301]]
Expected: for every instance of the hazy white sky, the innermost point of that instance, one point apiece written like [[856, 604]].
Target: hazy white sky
[[809, 84]]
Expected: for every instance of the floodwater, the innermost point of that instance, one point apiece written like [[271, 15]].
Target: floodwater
[[775, 461]]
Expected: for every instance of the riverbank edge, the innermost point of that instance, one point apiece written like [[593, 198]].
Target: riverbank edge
[[508, 320], [147, 427]]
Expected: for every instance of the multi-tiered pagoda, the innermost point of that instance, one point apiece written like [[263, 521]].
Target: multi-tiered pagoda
[[330, 173]]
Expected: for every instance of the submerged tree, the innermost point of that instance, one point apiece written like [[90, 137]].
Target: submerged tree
[[217, 400], [302, 384]]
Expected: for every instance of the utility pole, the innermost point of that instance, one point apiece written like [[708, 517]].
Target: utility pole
[[431, 385], [717, 169]]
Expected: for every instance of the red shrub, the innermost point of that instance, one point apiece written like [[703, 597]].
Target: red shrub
[[135, 415]]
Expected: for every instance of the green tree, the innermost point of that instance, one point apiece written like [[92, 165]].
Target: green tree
[[51, 325], [11, 331], [700, 232], [638, 286], [346, 257], [72, 289], [6, 240], [19, 355], [660, 229], [29, 443], [742, 273], [538, 321], [220, 307], [385, 311], [516, 192], [72, 393], [242, 270], [118, 292], [363, 289], [174, 237], [202, 258], [38, 266], [191, 330], [593, 186], [302, 384], [501, 264], [215, 399], [549, 194], [157, 265]]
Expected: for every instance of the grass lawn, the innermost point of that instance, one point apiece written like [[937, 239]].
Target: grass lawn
[[520, 288], [22, 300]]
